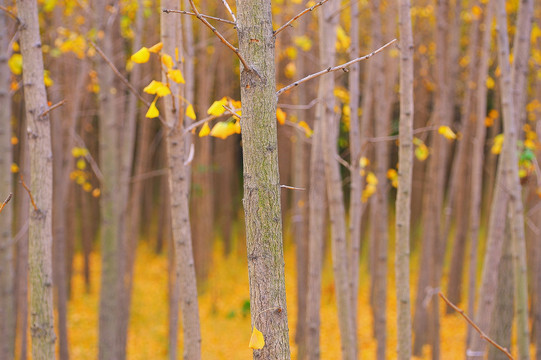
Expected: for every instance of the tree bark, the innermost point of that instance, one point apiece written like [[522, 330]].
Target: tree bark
[[41, 176], [179, 179], [261, 179], [7, 270], [405, 170]]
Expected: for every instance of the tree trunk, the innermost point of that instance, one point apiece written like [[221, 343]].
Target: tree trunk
[[7, 270], [179, 179], [261, 179], [405, 170], [41, 176]]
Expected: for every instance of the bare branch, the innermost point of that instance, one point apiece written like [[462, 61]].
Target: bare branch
[[184, 12], [5, 202], [332, 68], [200, 122], [481, 333], [231, 111], [230, 11], [10, 13], [298, 16], [299, 107], [88, 157], [124, 80], [150, 174], [292, 187], [29, 193], [220, 36], [190, 155], [52, 107]]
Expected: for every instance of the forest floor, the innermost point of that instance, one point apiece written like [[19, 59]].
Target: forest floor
[[224, 310]]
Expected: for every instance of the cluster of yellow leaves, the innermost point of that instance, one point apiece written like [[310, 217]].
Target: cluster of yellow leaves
[[80, 175], [343, 42], [70, 41], [371, 186], [497, 144], [392, 175], [421, 150], [15, 64], [303, 42]]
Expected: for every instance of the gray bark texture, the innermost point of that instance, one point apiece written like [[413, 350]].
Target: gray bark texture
[[405, 171], [7, 253], [179, 180], [261, 179], [41, 177]]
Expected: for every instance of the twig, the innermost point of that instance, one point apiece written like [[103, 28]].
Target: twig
[[51, 108], [149, 175], [299, 107], [190, 155], [10, 13], [395, 137], [123, 79], [298, 16], [29, 193], [22, 231], [220, 36], [481, 333], [197, 123], [332, 68], [5, 202], [231, 111], [89, 158], [184, 12], [230, 11], [292, 187]]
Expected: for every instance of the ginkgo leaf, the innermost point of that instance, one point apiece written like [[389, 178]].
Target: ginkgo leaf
[[205, 130], [157, 88], [14, 168], [447, 132], [281, 116], [343, 40], [15, 64], [156, 48], [223, 130], [421, 152], [342, 94], [81, 164], [141, 56], [304, 42], [368, 191], [190, 113], [257, 341], [217, 107], [167, 60], [152, 111], [364, 162], [236, 127], [290, 70], [371, 178], [47, 79], [176, 76], [498, 144], [307, 131]]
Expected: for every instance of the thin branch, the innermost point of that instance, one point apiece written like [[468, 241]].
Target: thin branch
[[22, 232], [298, 16], [149, 175], [10, 13], [395, 137], [481, 333], [124, 80], [29, 193], [184, 12], [190, 155], [332, 68], [5, 202], [197, 123], [220, 36], [299, 107], [89, 158], [230, 11], [231, 111], [52, 107], [292, 187]]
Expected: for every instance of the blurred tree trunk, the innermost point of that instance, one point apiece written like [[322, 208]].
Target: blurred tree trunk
[[7, 253], [355, 140], [335, 196], [537, 246], [41, 177], [179, 186], [513, 89], [477, 155], [262, 179], [426, 319], [405, 170], [109, 154], [502, 324]]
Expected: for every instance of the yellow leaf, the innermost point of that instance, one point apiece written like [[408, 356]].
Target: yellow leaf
[[14, 168], [156, 48], [490, 83], [307, 131], [281, 116], [167, 61], [391, 174], [368, 191], [176, 76], [14, 140], [223, 130], [15, 64], [87, 187], [47, 79], [447, 132], [303, 42], [498, 144], [81, 164], [421, 152], [344, 41], [141, 56], [236, 127], [291, 52], [152, 111], [529, 144], [371, 178], [364, 162], [190, 113], [290, 70], [205, 130], [96, 193], [257, 341], [157, 88], [217, 108], [342, 94]]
